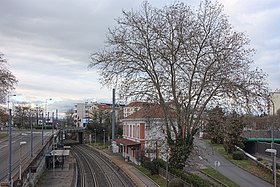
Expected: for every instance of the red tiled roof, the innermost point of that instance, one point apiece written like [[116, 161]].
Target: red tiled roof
[[136, 104], [104, 106], [126, 141], [149, 111]]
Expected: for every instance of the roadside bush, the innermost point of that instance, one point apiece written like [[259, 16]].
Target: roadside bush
[[153, 166], [259, 159], [238, 155], [195, 180], [277, 166], [189, 178], [161, 163], [176, 182]]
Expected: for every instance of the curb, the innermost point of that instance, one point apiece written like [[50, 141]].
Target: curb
[[218, 181]]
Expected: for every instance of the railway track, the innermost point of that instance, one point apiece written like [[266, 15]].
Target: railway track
[[95, 170]]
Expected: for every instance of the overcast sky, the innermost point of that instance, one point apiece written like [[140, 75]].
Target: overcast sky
[[48, 43]]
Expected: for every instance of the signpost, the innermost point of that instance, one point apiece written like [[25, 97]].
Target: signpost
[[217, 164], [274, 152]]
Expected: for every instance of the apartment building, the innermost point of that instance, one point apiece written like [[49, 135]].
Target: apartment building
[[274, 105], [81, 114], [132, 108]]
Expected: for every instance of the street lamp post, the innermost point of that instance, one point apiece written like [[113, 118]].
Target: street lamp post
[[95, 137], [42, 127], [46, 108], [167, 170], [20, 155], [104, 143], [167, 166], [273, 114], [31, 137], [10, 148], [44, 121], [10, 142], [54, 136], [52, 123], [274, 152], [272, 136]]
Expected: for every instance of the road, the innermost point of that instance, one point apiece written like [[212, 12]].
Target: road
[[17, 137], [209, 157]]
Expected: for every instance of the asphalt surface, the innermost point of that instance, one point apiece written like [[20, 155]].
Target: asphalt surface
[[17, 137], [207, 156]]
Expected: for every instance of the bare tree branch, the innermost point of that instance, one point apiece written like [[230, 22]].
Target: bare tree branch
[[188, 60], [7, 79]]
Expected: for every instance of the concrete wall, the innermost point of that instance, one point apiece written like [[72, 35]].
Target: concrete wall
[[260, 147]]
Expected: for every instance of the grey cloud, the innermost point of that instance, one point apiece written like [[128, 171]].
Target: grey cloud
[[48, 43]]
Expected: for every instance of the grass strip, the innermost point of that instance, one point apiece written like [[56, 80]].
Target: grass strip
[[3, 135], [156, 178], [219, 177], [42, 179]]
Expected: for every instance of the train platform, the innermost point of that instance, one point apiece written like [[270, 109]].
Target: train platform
[[135, 175], [66, 176]]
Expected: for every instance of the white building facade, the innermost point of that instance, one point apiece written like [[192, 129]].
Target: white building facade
[[81, 114], [144, 134], [274, 105]]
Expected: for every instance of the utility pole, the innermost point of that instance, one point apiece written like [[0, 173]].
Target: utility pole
[[10, 143], [113, 116], [52, 123], [31, 135], [104, 138], [10, 148], [166, 174], [272, 137]]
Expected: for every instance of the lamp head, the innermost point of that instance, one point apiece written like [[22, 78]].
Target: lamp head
[[22, 143]]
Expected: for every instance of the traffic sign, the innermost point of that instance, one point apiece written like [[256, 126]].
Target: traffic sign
[[217, 163]]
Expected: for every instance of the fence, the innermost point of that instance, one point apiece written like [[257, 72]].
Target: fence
[[162, 173], [261, 133]]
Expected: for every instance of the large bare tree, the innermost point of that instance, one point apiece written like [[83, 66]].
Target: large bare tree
[[7, 79], [189, 57]]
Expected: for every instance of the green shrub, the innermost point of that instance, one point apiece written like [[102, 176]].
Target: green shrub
[[195, 180], [238, 155], [153, 166], [176, 182], [277, 166]]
